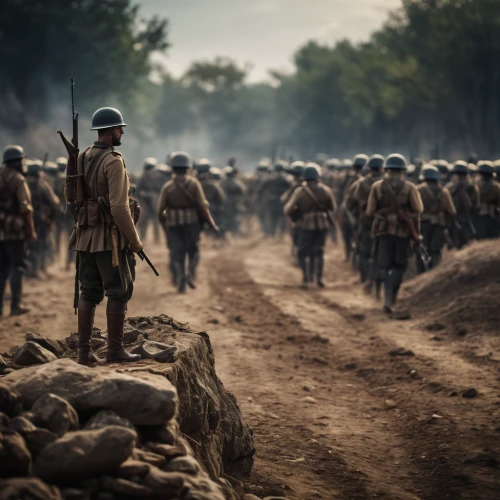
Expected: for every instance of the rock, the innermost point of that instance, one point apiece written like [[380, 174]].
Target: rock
[[55, 414], [308, 388], [10, 401], [310, 400], [320, 339], [3, 363], [390, 404], [97, 343], [133, 468], [168, 451], [149, 457], [27, 488], [159, 433], [164, 483], [124, 487], [435, 327], [249, 496], [14, 455], [401, 351], [130, 334], [91, 389], [461, 332], [159, 352], [72, 341], [75, 494], [105, 495], [275, 498], [32, 353], [21, 425], [104, 418], [37, 440], [54, 346], [4, 420], [85, 454], [187, 465], [469, 393]]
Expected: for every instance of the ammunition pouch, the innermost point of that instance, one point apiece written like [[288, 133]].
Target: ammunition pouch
[[88, 213]]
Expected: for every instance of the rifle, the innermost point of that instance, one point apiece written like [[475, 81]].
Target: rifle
[[415, 237], [143, 256]]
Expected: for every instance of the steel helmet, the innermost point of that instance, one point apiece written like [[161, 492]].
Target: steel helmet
[[359, 161], [280, 166], [149, 163], [107, 118], [430, 173], [460, 167], [332, 163], [297, 168], [62, 163], [311, 172], [215, 173], [12, 153], [375, 162], [50, 168], [485, 168], [395, 162], [203, 165], [179, 159]]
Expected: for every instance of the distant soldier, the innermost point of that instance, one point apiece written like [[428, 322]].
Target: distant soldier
[[234, 190], [311, 209], [489, 197], [396, 206], [465, 196], [180, 205], [105, 236], [46, 205], [16, 226], [147, 191], [64, 218], [368, 268], [438, 213]]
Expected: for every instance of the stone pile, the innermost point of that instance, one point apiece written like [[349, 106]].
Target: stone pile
[[164, 427]]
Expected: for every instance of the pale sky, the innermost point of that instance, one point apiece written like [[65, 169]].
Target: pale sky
[[264, 33]]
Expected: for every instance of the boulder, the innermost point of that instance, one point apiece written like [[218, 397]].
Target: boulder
[[37, 440], [133, 468], [162, 353], [32, 353], [75, 494], [14, 455], [3, 363], [30, 488], [148, 400], [130, 334], [10, 401], [21, 425], [123, 487], [187, 465], [55, 414], [4, 420], [164, 484], [167, 450], [104, 418], [85, 454], [149, 457], [54, 346]]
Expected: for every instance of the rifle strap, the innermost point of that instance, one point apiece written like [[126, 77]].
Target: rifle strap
[[308, 190], [187, 193]]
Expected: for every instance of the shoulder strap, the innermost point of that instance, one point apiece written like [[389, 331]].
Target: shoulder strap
[[187, 193], [93, 167]]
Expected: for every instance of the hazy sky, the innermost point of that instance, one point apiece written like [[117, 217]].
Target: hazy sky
[[264, 33]]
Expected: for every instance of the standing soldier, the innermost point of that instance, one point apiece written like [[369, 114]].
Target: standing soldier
[[180, 205], [46, 205], [489, 197], [16, 226], [64, 217], [439, 212], [396, 206], [311, 209], [465, 196], [147, 193], [105, 236], [368, 268], [234, 190]]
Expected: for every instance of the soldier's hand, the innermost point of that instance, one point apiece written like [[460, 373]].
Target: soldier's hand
[[136, 246]]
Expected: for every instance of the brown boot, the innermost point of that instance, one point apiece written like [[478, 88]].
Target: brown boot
[[115, 312], [86, 311]]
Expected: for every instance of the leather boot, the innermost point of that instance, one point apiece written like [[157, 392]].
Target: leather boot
[[86, 312], [311, 272], [303, 266], [388, 294], [193, 264], [16, 288], [115, 313], [397, 279], [319, 271]]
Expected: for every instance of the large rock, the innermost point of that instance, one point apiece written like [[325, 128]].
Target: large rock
[[55, 414], [148, 400], [32, 353], [20, 424], [156, 350], [37, 440], [15, 459], [10, 401], [56, 347], [85, 454], [28, 488], [3, 363], [104, 418]]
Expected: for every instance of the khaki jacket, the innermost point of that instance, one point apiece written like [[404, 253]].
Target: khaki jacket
[[465, 196], [380, 206], [437, 203], [45, 202], [489, 197], [111, 179]]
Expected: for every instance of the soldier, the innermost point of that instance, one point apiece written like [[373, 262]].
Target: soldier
[[234, 190], [438, 213], [16, 226], [46, 205], [180, 205], [396, 206], [147, 193], [368, 267], [465, 196], [489, 196], [331, 179], [311, 209], [105, 236]]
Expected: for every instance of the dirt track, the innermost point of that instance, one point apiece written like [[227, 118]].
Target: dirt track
[[334, 414]]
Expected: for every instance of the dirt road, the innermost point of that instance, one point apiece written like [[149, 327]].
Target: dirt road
[[345, 403]]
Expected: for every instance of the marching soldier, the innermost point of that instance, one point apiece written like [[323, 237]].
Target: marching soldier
[[438, 212], [64, 217], [147, 193], [16, 226], [180, 205], [396, 206], [105, 236], [489, 197], [311, 209], [235, 191]]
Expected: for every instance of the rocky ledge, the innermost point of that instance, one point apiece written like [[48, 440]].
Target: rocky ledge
[[164, 427]]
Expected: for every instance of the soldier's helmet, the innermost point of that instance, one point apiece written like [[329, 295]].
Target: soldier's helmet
[[332, 164], [485, 168], [62, 163], [460, 167], [375, 162], [228, 171], [12, 153], [497, 167], [359, 161], [50, 168], [297, 168], [430, 173], [107, 118], [149, 163], [203, 165], [395, 162], [215, 173], [264, 165], [311, 172], [346, 164], [34, 168], [320, 159], [443, 167], [179, 159], [280, 166]]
